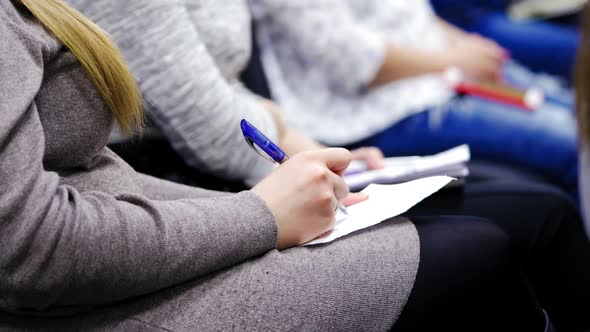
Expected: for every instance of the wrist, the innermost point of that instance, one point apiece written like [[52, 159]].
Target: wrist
[[294, 142], [277, 116], [260, 191], [445, 60]]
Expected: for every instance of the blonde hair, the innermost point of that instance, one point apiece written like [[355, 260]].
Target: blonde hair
[[101, 59], [582, 80]]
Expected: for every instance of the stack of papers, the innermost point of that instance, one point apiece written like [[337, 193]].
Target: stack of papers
[[401, 169], [384, 202]]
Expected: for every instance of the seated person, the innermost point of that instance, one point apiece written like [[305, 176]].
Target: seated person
[[87, 239], [368, 73], [187, 67]]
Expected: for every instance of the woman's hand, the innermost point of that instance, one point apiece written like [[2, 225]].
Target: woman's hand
[[478, 57], [303, 194], [372, 156]]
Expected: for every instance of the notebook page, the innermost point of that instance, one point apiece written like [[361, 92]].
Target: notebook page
[[385, 201]]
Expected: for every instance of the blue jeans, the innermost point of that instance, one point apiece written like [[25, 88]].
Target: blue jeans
[[542, 46], [544, 141]]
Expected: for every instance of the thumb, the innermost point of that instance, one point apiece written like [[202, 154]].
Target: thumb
[[336, 159]]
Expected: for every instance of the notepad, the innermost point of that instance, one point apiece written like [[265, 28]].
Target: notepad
[[385, 202], [452, 162]]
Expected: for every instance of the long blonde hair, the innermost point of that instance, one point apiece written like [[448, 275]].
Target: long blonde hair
[[101, 59], [582, 80]]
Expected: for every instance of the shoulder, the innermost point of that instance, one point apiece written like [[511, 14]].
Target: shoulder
[[18, 44], [18, 26], [14, 16], [8, 8], [25, 47]]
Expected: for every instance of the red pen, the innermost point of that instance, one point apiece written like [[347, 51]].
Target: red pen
[[528, 100]]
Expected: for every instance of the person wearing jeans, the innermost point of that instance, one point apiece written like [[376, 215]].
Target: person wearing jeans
[[352, 73], [490, 129]]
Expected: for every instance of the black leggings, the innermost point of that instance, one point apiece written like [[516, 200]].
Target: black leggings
[[495, 274]]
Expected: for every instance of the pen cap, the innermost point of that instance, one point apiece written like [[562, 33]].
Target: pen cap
[[261, 144]]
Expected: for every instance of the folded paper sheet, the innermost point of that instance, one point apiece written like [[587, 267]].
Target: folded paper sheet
[[385, 201], [401, 169]]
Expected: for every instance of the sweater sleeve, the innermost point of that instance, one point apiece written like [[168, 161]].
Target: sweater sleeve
[[187, 95], [326, 35], [62, 249], [159, 189]]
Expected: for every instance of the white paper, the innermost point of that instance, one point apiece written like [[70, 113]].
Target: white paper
[[401, 169], [385, 201]]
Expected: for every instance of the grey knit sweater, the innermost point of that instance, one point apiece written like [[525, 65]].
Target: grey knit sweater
[[186, 56], [81, 231]]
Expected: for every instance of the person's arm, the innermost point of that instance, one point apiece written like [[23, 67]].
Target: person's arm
[[477, 57], [355, 55], [407, 62], [159, 189], [452, 33], [291, 140], [61, 248], [189, 99]]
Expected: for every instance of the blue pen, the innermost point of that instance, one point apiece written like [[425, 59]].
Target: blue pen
[[270, 151]]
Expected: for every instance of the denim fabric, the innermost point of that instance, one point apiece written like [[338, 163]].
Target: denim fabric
[[556, 90], [543, 140], [542, 46], [458, 4]]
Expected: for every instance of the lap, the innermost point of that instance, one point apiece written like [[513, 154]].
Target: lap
[[529, 212], [547, 241], [359, 282], [544, 140], [468, 279]]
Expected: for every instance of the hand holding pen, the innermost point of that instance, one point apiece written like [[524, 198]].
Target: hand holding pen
[[304, 192], [270, 151]]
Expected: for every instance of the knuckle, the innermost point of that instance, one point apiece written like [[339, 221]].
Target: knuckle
[[325, 198], [320, 174], [327, 215]]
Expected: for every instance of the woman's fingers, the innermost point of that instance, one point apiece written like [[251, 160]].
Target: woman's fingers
[[339, 186], [490, 47], [372, 156], [355, 198], [336, 159]]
